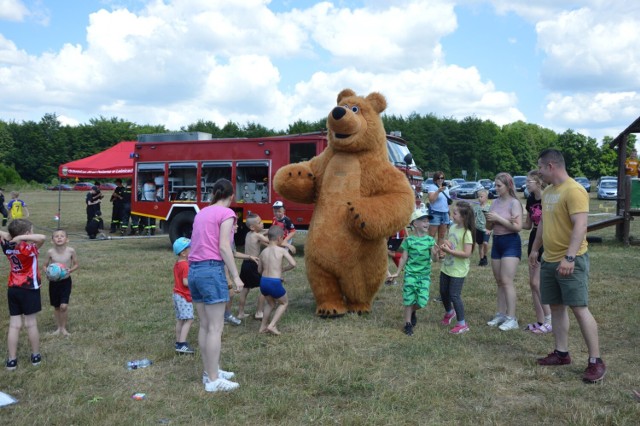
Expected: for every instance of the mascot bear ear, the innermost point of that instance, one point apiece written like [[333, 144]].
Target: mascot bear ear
[[345, 94], [377, 101]]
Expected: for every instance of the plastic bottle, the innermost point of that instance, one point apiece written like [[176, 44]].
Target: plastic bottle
[[139, 363]]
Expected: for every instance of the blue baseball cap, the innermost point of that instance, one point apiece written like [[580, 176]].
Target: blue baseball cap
[[180, 245]]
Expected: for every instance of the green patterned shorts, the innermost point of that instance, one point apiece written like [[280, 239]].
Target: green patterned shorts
[[416, 290]]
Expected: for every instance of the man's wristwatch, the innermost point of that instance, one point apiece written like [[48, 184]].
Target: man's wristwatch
[[570, 258]]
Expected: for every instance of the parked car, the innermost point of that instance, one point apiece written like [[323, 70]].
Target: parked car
[[586, 183], [107, 186], [601, 178], [519, 182], [82, 186], [469, 190], [453, 191], [426, 183], [486, 183], [458, 181], [608, 190], [492, 192], [59, 187]]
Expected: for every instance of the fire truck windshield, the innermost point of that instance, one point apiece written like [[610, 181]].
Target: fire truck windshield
[[398, 152]]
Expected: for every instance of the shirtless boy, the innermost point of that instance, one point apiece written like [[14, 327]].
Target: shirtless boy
[[249, 270], [60, 291], [271, 281]]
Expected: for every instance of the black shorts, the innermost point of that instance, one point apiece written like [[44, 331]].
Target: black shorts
[[23, 301], [481, 237], [249, 274], [59, 292], [532, 237]]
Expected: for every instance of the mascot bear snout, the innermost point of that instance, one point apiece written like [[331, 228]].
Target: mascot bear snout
[[338, 113]]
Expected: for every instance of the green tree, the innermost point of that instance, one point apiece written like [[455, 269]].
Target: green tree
[[6, 142], [299, 127], [581, 153]]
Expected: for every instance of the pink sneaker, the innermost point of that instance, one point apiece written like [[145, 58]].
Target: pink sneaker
[[448, 318], [459, 329]]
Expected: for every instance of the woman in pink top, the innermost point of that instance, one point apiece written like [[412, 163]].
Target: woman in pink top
[[505, 219], [210, 253]]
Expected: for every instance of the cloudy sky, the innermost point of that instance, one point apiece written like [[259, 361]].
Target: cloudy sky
[[558, 63]]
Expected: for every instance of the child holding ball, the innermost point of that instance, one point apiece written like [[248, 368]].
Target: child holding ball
[[60, 290]]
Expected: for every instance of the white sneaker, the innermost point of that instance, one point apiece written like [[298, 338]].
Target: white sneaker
[[497, 320], [227, 375], [509, 324], [220, 385]]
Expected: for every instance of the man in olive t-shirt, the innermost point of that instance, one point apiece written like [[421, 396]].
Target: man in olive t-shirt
[[564, 273]]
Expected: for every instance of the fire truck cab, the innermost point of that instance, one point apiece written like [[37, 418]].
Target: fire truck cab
[[174, 175]]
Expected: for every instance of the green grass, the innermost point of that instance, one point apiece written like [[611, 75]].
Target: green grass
[[357, 370]]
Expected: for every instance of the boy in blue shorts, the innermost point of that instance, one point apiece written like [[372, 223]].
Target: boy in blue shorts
[[417, 252], [271, 287], [21, 245]]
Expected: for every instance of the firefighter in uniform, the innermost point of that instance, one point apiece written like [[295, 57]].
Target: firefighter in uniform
[[126, 211], [117, 211]]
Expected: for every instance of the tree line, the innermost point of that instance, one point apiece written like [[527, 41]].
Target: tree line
[[32, 151]]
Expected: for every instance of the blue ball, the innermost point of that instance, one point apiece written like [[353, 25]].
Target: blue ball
[[57, 272]]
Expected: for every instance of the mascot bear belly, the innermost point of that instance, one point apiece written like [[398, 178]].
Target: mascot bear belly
[[360, 199]]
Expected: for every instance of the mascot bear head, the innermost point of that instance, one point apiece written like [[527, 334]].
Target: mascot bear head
[[355, 124]]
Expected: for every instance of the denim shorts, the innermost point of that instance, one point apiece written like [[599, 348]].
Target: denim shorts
[[556, 289], [439, 218], [508, 245], [207, 282]]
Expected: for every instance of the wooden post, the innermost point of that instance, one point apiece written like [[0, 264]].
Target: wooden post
[[623, 192]]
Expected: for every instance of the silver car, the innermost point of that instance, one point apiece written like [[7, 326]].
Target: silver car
[[608, 190], [468, 190]]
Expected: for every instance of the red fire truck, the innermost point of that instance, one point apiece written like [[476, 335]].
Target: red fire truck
[[174, 174]]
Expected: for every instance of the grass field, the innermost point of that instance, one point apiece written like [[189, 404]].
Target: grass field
[[357, 370]]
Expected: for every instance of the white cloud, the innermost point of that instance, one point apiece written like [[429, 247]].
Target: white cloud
[[448, 91], [174, 62], [13, 10], [597, 115], [539, 10], [404, 35], [591, 50]]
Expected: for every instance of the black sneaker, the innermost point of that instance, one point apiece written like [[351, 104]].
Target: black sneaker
[[185, 349], [408, 329], [36, 359], [12, 364], [414, 319]]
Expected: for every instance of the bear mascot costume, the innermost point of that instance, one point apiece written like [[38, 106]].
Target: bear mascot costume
[[360, 199]]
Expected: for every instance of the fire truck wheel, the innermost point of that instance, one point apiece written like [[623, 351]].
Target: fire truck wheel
[[181, 225]]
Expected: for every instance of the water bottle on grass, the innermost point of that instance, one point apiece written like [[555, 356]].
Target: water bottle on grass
[[139, 363]]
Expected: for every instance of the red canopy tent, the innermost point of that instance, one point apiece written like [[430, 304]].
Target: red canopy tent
[[111, 163]]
